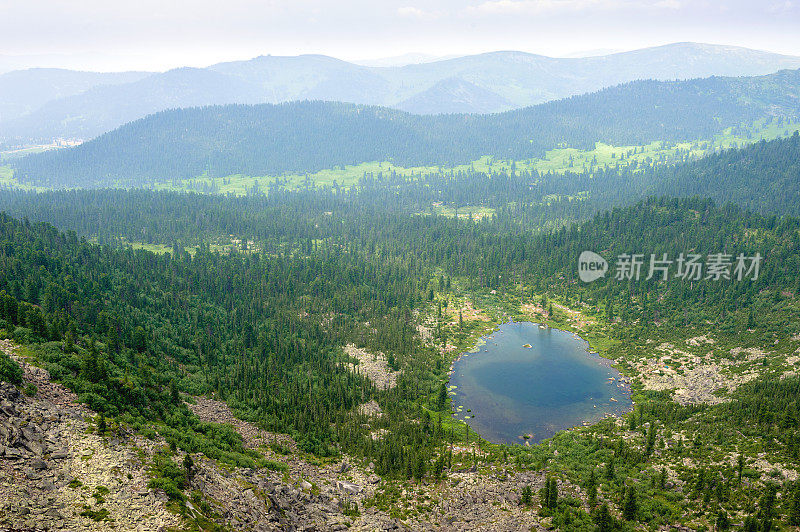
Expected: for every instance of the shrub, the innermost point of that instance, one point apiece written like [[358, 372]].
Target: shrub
[[24, 336], [9, 370], [168, 486]]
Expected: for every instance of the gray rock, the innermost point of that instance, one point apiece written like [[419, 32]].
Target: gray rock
[[39, 464], [348, 487], [13, 454], [29, 433], [33, 446], [52, 512]]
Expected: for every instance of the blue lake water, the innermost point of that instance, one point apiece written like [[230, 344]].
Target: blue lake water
[[555, 384]]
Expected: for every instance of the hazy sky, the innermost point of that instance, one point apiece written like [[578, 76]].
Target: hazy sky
[[160, 34]]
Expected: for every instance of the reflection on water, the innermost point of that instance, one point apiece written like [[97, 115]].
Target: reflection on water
[[534, 381]]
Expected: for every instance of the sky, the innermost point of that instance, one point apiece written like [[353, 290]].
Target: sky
[[163, 34]]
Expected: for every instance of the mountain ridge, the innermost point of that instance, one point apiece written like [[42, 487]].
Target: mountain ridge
[[506, 80], [272, 139]]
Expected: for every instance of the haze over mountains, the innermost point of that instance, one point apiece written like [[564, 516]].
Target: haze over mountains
[[270, 139], [48, 103]]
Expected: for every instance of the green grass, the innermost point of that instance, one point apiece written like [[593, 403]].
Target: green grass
[[220, 246], [343, 176], [476, 213], [7, 155], [7, 180], [559, 160]]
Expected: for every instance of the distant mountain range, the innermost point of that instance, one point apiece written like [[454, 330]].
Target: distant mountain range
[[24, 91], [48, 103], [271, 139]]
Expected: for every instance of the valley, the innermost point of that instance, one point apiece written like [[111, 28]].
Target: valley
[[500, 291]]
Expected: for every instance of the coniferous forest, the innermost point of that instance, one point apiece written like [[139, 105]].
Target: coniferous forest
[[180, 324], [261, 324]]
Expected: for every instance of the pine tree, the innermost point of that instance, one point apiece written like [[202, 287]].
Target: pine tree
[[794, 509], [740, 467], [548, 495], [69, 342], [188, 466], [591, 489], [610, 468], [651, 440], [630, 506], [526, 497], [602, 519], [750, 524], [175, 396], [766, 509], [441, 399], [723, 523]]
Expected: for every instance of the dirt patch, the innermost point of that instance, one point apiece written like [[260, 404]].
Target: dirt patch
[[700, 340], [373, 366], [215, 411], [370, 408], [696, 379], [467, 311], [574, 317]]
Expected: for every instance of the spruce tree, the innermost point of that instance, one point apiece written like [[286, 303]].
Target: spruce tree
[[526, 498], [602, 519], [591, 490], [794, 508], [630, 506], [441, 399]]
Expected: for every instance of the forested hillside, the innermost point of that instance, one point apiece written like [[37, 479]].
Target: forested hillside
[[309, 136], [764, 177], [263, 327]]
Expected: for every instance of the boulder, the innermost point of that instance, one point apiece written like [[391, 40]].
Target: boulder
[[348, 487]]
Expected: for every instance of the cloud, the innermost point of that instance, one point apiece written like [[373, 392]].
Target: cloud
[[781, 6], [510, 7], [535, 7], [415, 12]]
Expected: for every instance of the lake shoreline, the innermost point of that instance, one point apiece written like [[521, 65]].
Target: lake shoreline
[[551, 415]]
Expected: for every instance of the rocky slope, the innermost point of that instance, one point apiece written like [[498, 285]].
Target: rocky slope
[[58, 473]]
